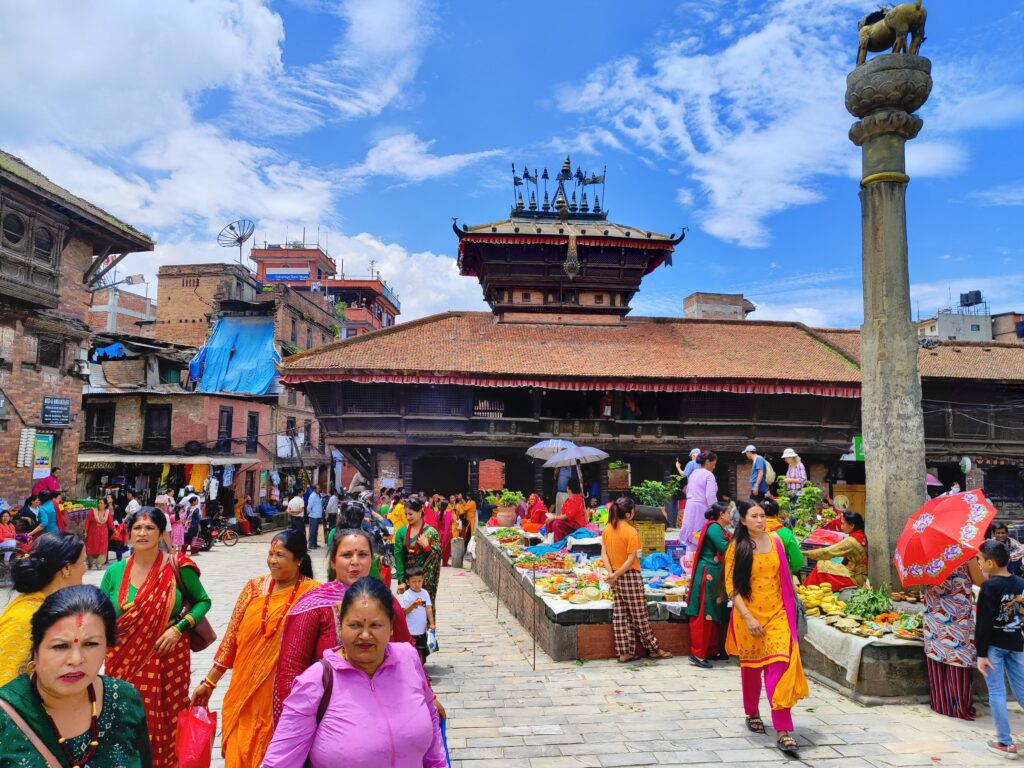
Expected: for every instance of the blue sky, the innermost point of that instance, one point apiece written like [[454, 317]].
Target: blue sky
[[379, 120]]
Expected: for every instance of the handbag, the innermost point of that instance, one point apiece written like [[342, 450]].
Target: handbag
[[32, 736], [202, 635]]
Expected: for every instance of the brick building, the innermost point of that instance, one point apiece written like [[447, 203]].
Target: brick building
[[145, 419], [53, 245], [115, 310], [192, 296]]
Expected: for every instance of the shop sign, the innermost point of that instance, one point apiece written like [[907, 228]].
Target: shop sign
[[57, 411], [42, 456], [858, 448]]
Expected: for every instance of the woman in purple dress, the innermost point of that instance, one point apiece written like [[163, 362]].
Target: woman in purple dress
[[701, 495]]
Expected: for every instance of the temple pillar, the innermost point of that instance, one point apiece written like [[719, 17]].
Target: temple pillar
[[884, 93], [474, 475]]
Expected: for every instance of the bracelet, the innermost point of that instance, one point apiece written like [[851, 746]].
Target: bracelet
[[208, 682], [175, 628], [191, 621]]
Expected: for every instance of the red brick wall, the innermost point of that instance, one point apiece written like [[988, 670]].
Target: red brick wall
[[100, 311], [25, 386], [187, 296], [597, 641], [492, 475]]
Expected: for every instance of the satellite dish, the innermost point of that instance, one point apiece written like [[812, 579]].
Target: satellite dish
[[236, 233]]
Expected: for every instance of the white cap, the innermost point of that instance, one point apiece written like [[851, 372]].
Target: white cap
[[695, 452], [789, 453], [750, 449]]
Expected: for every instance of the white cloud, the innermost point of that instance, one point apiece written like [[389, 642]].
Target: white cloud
[[756, 120], [929, 158], [1005, 195], [104, 75], [407, 157], [427, 282]]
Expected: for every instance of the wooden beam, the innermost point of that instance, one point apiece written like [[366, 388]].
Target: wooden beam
[[113, 264], [97, 262]]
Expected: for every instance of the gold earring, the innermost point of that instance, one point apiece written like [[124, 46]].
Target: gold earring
[[30, 667]]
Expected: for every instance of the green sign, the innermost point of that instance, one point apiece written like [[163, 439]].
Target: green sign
[[858, 448], [42, 456]]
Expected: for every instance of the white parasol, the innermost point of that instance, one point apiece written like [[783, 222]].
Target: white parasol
[[575, 456]]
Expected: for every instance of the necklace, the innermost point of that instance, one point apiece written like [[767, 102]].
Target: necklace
[[94, 730], [280, 620]]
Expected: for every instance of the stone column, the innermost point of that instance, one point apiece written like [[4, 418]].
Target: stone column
[[884, 93]]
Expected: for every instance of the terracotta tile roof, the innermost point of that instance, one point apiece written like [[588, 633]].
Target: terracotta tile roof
[[984, 360], [581, 227], [641, 349]]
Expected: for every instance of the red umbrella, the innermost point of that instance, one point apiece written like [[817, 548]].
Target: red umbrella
[[941, 536]]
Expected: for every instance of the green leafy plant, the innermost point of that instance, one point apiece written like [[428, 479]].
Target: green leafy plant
[[339, 309], [868, 603], [617, 465], [335, 330], [806, 513], [654, 493], [504, 498]]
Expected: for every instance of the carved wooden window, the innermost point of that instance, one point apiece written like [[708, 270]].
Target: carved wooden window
[[370, 398], [14, 230], [99, 423], [526, 297], [42, 245], [156, 428]]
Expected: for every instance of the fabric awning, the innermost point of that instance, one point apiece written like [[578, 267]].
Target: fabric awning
[[124, 458], [580, 385]]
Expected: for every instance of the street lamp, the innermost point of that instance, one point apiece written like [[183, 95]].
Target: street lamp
[[130, 280]]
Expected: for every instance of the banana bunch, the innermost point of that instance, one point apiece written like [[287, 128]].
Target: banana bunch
[[818, 600]]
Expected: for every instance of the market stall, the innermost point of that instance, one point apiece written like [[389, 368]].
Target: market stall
[[559, 598]]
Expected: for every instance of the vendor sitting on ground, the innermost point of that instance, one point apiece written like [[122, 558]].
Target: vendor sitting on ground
[[853, 570], [573, 515], [598, 513]]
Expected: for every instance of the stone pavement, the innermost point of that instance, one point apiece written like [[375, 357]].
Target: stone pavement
[[502, 714]]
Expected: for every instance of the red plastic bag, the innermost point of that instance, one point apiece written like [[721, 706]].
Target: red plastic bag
[[197, 728]]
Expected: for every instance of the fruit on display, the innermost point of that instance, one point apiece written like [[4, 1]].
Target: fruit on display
[[818, 600]]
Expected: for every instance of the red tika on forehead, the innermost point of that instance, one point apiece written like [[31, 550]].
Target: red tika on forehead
[[80, 620]]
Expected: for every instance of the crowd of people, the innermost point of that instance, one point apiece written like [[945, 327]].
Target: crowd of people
[[305, 673], [328, 657]]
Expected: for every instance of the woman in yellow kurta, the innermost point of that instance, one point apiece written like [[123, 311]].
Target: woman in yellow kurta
[[56, 560], [250, 648], [762, 630]]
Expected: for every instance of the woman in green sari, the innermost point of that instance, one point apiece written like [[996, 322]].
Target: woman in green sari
[[417, 544], [706, 604], [64, 712]]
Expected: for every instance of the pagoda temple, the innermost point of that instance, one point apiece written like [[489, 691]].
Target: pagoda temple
[[421, 404], [560, 261]]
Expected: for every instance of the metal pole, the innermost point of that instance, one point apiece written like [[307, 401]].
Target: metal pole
[[534, 619]]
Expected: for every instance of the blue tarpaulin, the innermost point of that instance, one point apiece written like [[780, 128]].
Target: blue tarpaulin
[[113, 352], [238, 357]]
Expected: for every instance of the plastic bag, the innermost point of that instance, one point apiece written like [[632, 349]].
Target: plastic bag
[[431, 640], [197, 728]]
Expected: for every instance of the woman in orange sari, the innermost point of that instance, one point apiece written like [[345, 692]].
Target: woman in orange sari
[[153, 651], [250, 647]]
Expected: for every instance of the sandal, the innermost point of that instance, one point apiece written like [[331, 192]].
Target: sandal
[[787, 744], [627, 659], [755, 723], [661, 653]]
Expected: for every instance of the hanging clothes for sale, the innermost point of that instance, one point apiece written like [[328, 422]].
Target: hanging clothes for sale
[[197, 478], [163, 476], [213, 485]]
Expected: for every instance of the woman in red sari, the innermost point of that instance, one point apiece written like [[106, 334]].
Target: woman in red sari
[[153, 651], [311, 626], [98, 526]]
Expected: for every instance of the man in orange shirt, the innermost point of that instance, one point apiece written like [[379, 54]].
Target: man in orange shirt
[[573, 515]]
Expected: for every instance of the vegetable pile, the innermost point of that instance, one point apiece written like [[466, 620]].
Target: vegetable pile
[[868, 603]]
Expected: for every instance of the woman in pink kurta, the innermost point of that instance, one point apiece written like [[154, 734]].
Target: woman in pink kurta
[[379, 710], [99, 524], [701, 495]]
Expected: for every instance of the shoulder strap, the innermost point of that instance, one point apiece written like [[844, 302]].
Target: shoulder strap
[[37, 743], [325, 698]]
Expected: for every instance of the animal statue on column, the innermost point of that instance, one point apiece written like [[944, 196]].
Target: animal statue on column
[[890, 27]]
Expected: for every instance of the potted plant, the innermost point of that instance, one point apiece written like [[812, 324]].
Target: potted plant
[[505, 511], [618, 475], [652, 496]]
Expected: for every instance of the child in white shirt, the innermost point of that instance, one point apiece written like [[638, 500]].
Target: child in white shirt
[[419, 611]]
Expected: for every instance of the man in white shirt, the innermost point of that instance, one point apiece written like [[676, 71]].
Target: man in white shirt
[[331, 510], [296, 511], [133, 505], [315, 510]]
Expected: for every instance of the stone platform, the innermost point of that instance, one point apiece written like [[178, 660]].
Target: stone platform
[[582, 633]]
